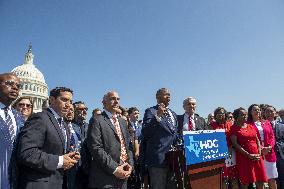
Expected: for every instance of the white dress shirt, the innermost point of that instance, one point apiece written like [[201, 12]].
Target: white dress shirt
[[186, 120]]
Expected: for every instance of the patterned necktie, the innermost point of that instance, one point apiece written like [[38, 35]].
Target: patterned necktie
[[72, 138], [123, 154], [190, 125], [170, 120], [9, 122]]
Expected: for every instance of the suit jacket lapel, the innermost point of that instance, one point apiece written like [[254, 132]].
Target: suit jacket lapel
[[107, 119], [56, 126], [171, 129], [3, 128]]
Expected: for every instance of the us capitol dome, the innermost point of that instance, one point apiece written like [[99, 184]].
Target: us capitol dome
[[32, 81]]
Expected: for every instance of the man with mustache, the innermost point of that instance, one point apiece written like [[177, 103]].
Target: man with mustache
[[10, 123]]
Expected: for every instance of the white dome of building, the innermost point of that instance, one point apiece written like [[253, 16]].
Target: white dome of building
[[29, 71], [32, 80]]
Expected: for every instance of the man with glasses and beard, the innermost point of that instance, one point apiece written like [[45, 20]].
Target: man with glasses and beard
[[10, 123], [80, 116]]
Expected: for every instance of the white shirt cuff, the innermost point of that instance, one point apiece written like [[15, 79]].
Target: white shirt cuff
[[115, 170], [60, 162], [158, 118]]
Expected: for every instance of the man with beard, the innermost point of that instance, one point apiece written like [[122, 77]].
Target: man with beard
[[109, 145], [44, 144], [10, 123], [159, 134], [80, 116]]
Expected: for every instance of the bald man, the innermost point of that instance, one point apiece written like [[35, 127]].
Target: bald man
[[109, 145], [10, 123]]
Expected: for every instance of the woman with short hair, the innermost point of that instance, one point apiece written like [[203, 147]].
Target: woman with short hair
[[24, 105]]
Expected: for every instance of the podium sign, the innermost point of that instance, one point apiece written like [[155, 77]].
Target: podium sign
[[205, 145]]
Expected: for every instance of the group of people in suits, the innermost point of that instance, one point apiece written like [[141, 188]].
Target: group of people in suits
[[48, 149]]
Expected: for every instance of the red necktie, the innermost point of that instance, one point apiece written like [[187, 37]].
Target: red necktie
[[123, 153], [190, 126]]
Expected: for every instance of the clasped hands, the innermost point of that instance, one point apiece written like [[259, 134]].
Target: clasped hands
[[70, 159], [254, 157], [123, 171]]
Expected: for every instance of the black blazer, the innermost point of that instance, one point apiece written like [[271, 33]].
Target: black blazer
[[104, 146], [41, 142]]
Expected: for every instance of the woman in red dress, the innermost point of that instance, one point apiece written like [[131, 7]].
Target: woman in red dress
[[229, 174], [248, 151]]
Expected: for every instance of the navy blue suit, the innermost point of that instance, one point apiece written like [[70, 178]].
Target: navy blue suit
[[158, 137], [8, 166]]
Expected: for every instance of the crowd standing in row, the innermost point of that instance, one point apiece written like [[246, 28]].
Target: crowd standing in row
[[56, 148]]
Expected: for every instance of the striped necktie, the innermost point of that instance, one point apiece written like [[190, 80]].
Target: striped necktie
[[9, 123]]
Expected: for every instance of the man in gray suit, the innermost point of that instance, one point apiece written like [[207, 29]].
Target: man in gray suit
[[10, 123], [108, 143], [44, 144]]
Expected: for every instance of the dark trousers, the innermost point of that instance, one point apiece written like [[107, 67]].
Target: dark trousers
[[161, 178], [280, 169]]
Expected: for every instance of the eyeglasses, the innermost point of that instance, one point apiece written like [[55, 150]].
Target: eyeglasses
[[25, 105], [82, 109], [12, 83]]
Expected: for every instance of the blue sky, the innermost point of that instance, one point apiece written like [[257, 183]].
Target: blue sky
[[223, 52]]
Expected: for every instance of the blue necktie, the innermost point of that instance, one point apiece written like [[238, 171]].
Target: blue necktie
[[9, 122]]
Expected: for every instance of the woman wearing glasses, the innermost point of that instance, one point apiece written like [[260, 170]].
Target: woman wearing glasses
[[25, 106]]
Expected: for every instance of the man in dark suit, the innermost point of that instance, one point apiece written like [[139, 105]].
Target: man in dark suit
[[43, 151], [72, 178], [10, 123], [159, 134], [80, 116], [109, 145], [190, 121]]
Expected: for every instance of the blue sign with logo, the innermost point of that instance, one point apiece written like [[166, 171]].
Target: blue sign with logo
[[205, 145]]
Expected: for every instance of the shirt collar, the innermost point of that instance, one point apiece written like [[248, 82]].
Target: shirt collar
[[187, 115], [134, 123], [110, 115], [54, 113], [3, 106]]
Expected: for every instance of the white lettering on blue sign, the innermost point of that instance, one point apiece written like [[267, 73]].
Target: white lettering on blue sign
[[208, 144]]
